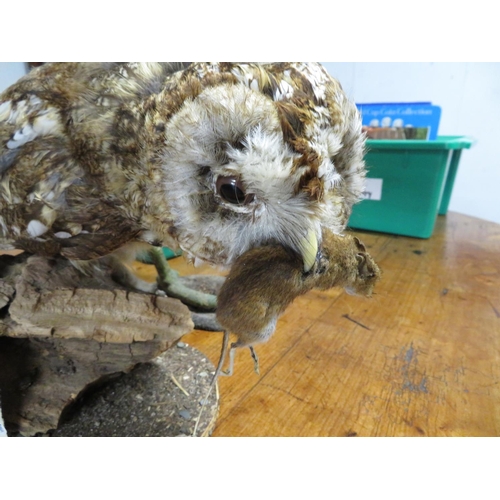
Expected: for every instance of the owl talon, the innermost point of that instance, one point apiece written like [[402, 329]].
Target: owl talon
[[122, 275]]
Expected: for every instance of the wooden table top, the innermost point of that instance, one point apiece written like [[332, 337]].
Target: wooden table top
[[420, 358]]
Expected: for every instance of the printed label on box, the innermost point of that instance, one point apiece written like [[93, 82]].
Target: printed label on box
[[412, 120], [373, 189]]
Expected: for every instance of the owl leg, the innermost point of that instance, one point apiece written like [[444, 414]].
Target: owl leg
[[123, 275], [169, 282], [120, 272]]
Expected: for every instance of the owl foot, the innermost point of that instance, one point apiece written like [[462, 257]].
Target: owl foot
[[168, 281], [119, 272]]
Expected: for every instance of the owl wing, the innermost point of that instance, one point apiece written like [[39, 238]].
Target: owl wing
[[51, 201], [49, 205]]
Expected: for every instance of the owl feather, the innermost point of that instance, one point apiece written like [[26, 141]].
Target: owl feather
[[214, 158]]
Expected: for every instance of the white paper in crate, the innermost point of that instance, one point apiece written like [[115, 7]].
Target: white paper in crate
[[373, 189]]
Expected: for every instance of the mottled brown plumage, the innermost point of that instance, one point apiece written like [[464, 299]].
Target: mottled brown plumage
[[94, 156]]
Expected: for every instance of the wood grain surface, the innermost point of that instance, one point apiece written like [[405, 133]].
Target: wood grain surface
[[420, 358]]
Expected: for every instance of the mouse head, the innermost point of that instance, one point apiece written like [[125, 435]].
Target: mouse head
[[345, 262]]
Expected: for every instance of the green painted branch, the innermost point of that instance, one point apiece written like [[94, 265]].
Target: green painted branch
[[168, 280]]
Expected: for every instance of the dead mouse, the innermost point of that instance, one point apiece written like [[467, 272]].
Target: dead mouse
[[264, 281]]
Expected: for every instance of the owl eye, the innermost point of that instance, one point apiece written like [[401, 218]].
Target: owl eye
[[231, 190]]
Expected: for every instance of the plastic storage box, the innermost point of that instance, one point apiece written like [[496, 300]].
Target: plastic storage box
[[409, 183]]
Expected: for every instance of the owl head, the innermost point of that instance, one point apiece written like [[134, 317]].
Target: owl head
[[261, 154]]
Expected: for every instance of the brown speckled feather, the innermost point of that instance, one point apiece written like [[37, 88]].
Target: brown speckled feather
[[93, 156]]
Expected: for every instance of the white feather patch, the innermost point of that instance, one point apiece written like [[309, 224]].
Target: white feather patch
[[5, 109], [16, 111], [284, 91], [62, 234], [46, 123], [198, 262], [3, 226], [21, 137], [36, 228]]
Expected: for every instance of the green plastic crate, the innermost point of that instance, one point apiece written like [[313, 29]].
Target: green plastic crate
[[167, 252], [410, 183]]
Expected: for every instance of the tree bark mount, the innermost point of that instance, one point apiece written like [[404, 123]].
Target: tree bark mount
[[61, 330]]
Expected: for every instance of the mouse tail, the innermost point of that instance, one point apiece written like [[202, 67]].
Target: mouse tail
[[225, 344]]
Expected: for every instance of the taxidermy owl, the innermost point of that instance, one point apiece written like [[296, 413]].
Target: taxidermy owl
[[214, 158]]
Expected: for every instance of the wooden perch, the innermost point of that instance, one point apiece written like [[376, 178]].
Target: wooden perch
[[61, 331]]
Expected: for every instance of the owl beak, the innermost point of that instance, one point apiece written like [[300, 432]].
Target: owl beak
[[308, 248]]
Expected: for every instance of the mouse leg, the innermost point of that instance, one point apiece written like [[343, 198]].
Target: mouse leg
[[229, 371], [232, 351], [255, 360]]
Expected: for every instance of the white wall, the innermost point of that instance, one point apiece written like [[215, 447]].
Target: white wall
[[469, 95], [10, 72]]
